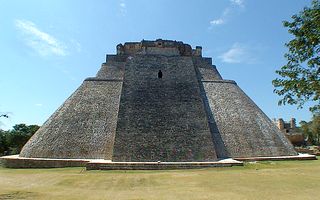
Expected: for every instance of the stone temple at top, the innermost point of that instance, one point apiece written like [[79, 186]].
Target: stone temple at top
[[158, 101]]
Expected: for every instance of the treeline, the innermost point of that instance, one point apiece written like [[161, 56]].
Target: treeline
[[12, 141], [311, 130]]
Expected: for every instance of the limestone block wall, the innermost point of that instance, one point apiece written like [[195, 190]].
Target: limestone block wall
[[167, 51], [83, 127], [206, 70], [162, 119], [111, 70], [245, 130], [127, 113]]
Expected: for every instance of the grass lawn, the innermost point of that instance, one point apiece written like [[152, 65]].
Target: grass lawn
[[261, 180]]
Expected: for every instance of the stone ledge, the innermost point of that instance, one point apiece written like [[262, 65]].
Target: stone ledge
[[102, 79], [219, 81], [278, 158], [159, 165], [15, 161]]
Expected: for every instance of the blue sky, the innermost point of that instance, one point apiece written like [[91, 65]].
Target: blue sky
[[47, 48]]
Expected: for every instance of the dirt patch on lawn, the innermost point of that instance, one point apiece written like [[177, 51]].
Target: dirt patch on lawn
[[18, 195]]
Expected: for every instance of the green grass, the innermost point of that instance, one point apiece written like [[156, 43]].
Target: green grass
[[261, 180]]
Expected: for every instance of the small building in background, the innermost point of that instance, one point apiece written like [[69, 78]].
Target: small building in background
[[291, 131]]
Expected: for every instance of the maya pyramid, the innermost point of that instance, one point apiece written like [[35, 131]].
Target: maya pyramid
[[158, 101]]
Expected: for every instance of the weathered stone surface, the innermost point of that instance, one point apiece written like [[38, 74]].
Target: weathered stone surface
[[158, 165], [14, 161], [83, 127], [111, 70], [245, 130], [162, 119], [127, 113], [206, 71], [158, 47]]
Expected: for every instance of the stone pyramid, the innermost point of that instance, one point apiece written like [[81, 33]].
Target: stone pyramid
[[133, 112]]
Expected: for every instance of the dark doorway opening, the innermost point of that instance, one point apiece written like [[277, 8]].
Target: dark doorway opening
[[160, 74]]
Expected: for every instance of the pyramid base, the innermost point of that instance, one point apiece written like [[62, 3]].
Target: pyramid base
[[278, 158], [14, 161], [159, 165]]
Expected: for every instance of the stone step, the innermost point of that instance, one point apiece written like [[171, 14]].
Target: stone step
[[156, 166]]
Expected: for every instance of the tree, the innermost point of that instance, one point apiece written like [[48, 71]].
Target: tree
[[315, 128], [311, 130], [3, 143], [15, 139], [300, 77], [305, 129]]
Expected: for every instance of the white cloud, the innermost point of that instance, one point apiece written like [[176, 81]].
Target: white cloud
[[123, 7], [222, 19], [239, 3], [217, 21], [38, 104], [76, 45], [42, 42], [238, 53], [227, 13]]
